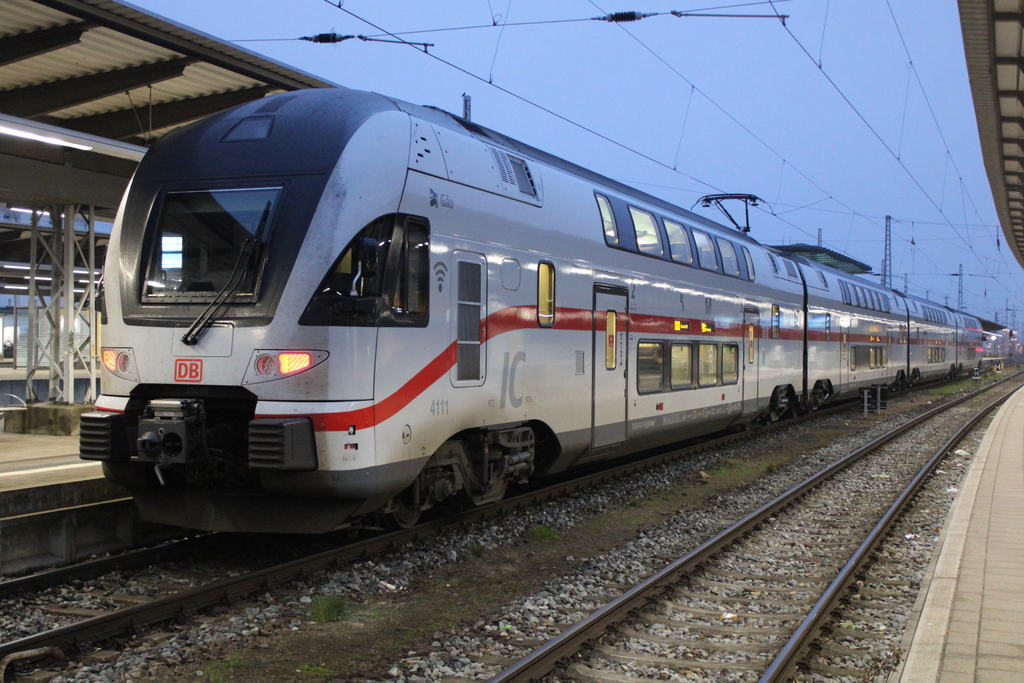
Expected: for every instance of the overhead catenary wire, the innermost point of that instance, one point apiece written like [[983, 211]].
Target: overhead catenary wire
[[496, 21], [888, 148], [606, 138], [527, 101]]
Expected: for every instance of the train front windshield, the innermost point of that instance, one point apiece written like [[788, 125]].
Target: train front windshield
[[208, 240]]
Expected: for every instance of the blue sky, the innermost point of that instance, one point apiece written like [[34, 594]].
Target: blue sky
[[699, 105]]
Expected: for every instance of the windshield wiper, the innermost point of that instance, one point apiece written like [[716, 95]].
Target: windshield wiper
[[206, 318]]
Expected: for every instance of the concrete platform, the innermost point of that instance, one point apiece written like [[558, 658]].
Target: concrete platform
[[970, 627], [30, 460]]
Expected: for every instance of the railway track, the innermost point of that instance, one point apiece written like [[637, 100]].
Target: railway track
[[135, 615], [747, 604]]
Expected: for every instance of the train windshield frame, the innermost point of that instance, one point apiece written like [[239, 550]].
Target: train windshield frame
[[206, 241]]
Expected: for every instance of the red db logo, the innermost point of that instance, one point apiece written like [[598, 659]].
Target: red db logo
[[188, 370]]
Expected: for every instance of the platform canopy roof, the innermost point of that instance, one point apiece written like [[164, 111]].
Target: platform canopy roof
[[993, 32], [87, 85], [826, 257]]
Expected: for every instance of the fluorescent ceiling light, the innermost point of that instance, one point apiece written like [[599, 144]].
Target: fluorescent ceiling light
[[55, 135], [50, 140]]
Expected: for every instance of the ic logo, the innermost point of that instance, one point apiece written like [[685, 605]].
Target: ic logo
[[188, 370], [433, 198]]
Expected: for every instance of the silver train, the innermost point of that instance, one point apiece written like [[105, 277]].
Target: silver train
[[331, 306]]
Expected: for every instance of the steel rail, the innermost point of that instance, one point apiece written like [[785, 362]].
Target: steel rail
[[548, 656], [791, 654], [173, 606]]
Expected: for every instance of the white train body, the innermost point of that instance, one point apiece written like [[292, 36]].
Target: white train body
[[425, 309]]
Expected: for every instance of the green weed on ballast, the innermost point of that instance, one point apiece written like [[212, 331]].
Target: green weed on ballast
[[321, 670], [542, 532], [326, 608], [477, 550], [218, 670]]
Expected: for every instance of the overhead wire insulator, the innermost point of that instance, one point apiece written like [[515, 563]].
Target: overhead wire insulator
[[623, 17], [326, 38]]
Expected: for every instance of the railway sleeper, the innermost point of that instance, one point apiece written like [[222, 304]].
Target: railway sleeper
[[735, 599], [681, 608], [701, 642], [666, 622], [681, 664]]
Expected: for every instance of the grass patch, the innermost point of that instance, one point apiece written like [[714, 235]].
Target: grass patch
[[477, 550], [542, 532], [219, 670], [310, 670], [326, 608]]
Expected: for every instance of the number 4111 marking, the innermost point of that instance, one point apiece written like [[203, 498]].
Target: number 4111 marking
[[439, 407]]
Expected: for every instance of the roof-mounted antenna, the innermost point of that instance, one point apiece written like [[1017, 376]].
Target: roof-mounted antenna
[[748, 200]]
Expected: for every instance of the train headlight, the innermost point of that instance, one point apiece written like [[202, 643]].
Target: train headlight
[[267, 365], [124, 363], [293, 362], [120, 363]]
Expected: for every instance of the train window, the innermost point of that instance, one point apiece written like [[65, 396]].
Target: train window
[[853, 358], [350, 292], [750, 264], [412, 285], [730, 363], [208, 240], [682, 366], [750, 343], [730, 264], [545, 294], [610, 336], [470, 308], [707, 365], [828, 327], [776, 321], [678, 243], [873, 361], [790, 268], [648, 236], [705, 251], [650, 367], [821, 275], [611, 231], [845, 344], [775, 264], [844, 289]]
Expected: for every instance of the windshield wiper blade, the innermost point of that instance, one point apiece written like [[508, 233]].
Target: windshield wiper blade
[[206, 318]]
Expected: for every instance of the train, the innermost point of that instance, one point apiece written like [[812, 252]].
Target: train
[[331, 308]]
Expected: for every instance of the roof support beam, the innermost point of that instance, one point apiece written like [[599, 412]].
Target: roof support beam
[[133, 22], [128, 123], [34, 43], [36, 100]]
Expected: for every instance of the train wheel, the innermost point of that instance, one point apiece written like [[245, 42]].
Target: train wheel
[[401, 516]]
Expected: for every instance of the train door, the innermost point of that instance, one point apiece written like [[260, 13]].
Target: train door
[[844, 353], [752, 336], [469, 305], [611, 334]]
